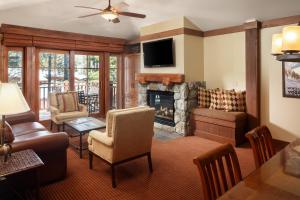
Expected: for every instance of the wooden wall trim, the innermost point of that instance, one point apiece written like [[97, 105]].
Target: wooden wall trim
[[253, 74], [170, 33], [264, 24], [22, 30], [281, 21], [223, 31]]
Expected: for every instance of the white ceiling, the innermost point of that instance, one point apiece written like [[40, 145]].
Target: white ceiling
[[206, 14]]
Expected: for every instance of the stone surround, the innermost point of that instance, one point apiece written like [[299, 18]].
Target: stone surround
[[186, 98]]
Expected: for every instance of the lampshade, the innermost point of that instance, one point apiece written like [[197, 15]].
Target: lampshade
[[12, 100], [277, 44], [109, 15], [291, 39]]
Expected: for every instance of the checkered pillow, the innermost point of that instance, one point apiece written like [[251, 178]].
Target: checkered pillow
[[235, 101], [216, 100], [203, 97]]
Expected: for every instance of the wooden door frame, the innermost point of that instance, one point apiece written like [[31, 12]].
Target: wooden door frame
[[102, 81], [37, 77]]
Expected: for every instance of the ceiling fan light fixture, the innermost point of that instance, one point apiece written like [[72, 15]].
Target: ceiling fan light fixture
[[109, 15]]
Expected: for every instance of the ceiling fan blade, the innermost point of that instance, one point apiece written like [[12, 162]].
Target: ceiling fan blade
[[89, 15], [130, 14], [88, 7], [117, 20]]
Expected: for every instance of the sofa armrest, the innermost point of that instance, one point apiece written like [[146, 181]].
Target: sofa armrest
[[49, 143], [82, 108], [100, 137], [21, 118]]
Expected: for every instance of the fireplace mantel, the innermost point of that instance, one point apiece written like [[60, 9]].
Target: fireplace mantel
[[166, 79]]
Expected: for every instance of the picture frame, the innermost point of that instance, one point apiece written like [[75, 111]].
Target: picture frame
[[291, 79]]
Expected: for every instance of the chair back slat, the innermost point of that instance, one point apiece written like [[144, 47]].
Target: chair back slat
[[260, 139], [213, 171], [222, 174]]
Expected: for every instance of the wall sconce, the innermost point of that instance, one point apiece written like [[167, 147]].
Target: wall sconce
[[286, 45]]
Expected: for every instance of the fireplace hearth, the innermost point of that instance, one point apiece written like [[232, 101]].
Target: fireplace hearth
[[163, 102]]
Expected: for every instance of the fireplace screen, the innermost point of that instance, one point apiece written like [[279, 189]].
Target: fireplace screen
[[163, 102]]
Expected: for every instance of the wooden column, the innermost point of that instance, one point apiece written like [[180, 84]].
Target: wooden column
[[31, 81], [1, 60], [252, 31], [106, 82]]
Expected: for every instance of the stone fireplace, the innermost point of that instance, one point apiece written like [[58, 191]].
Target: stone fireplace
[[173, 102]]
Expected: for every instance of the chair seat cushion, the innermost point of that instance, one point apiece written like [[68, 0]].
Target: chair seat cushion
[[220, 114], [70, 115], [101, 137]]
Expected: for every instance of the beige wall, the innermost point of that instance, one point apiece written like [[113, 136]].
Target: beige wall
[[193, 58], [279, 113], [188, 50], [224, 61]]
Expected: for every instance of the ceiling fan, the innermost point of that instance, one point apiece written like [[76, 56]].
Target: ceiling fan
[[110, 13]]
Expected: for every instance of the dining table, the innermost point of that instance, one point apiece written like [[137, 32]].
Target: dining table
[[278, 178]]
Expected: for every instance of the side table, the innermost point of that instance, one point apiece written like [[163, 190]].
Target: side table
[[19, 162]]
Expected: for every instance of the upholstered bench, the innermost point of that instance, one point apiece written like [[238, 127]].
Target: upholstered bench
[[218, 125]]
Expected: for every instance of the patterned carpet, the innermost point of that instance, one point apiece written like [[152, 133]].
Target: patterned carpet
[[174, 176]]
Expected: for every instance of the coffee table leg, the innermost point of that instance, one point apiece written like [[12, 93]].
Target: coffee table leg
[[80, 146]]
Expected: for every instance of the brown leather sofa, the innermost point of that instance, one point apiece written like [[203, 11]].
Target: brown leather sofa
[[50, 147]]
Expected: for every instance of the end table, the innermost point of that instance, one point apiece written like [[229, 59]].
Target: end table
[[19, 162]]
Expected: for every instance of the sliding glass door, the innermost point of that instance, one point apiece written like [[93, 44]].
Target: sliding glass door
[[87, 80], [54, 76]]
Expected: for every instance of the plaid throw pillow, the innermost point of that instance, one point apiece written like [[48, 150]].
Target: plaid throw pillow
[[235, 101], [67, 101], [216, 100], [203, 97]]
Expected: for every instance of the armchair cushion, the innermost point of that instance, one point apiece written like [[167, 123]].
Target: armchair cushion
[[69, 115], [67, 101], [101, 137]]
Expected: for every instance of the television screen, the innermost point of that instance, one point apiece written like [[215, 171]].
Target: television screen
[[158, 53]]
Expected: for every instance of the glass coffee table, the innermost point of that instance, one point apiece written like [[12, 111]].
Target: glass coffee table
[[80, 127]]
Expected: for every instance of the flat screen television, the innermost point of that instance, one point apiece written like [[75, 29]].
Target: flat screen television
[[158, 53]]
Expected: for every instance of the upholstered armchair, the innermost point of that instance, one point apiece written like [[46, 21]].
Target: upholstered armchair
[[128, 136], [65, 108]]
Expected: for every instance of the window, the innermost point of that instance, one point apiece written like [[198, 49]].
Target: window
[[113, 81], [15, 67], [53, 77], [87, 81]]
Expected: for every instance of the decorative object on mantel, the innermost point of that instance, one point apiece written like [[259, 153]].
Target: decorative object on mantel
[[291, 79], [111, 13], [166, 79], [12, 102], [286, 45]]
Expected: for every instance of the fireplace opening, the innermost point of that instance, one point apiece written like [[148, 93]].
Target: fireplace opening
[[163, 102]]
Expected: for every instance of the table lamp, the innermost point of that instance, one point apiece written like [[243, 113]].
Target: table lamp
[[12, 102]]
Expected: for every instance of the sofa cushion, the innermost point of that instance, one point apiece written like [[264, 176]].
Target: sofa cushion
[[220, 114], [235, 101], [26, 128], [216, 100], [203, 97]]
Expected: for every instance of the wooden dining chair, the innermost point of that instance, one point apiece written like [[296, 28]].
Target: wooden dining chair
[[219, 170], [260, 140]]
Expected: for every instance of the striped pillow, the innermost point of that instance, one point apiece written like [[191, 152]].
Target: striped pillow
[[67, 101]]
